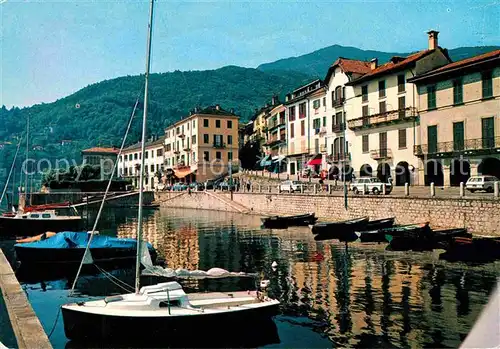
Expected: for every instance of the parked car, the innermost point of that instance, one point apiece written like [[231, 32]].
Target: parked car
[[485, 183], [197, 186], [225, 186], [179, 187], [290, 186], [372, 184]]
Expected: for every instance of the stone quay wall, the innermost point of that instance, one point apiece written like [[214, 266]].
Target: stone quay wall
[[480, 215]]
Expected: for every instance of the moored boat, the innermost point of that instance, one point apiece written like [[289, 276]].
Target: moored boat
[[339, 228], [69, 248], [283, 222], [379, 224], [480, 249], [447, 235]]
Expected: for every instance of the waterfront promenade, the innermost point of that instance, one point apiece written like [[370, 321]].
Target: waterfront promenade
[[27, 329]]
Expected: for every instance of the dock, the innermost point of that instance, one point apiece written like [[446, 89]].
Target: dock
[[25, 324]]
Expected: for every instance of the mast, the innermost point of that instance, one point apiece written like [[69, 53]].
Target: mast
[[143, 147], [26, 161]]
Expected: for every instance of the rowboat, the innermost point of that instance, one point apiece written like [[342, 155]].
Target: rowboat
[[282, 222], [340, 228], [481, 249]]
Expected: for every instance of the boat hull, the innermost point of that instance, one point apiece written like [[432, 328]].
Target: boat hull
[[343, 230], [279, 222], [30, 255], [82, 326], [23, 227]]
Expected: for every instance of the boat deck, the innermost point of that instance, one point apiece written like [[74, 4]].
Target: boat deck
[[220, 299]]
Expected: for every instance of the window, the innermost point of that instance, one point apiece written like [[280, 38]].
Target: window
[[292, 130], [432, 139], [229, 139], [487, 82], [193, 139], [218, 155], [317, 124], [291, 113], [206, 156], [121, 159], [324, 121], [229, 156], [35, 215], [217, 123], [431, 97], [402, 107], [316, 104], [316, 145], [382, 107], [365, 115], [218, 141], [458, 136], [159, 152], [178, 130], [194, 156], [194, 124], [333, 98], [401, 83], [402, 138], [152, 153], [488, 132], [303, 128], [205, 138], [229, 123], [188, 126], [45, 215], [205, 122], [364, 93], [324, 101], [381, 88], [136, 156], [365, 144], [168, 147], [458, 90], [152, 168], [302, 110], [146, 155]]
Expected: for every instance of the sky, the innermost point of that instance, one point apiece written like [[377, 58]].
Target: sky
[[50, 49]]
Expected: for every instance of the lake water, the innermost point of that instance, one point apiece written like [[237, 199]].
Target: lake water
[[332, 295]]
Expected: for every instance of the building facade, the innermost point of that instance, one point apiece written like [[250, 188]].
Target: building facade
[[275, 147], [103, 157], [384, 118], [129, 163], [202, 145], [459, 107]]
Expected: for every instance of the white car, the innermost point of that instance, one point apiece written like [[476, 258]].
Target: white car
[[372, 185], [485, 183], [290, 186]]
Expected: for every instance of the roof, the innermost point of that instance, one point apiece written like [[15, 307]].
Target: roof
[[112, 150], [159, 141], [485, 57], [210, 110], [348, 66], [395, 64]]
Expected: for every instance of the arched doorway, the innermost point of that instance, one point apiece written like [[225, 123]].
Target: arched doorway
[[333, 173], [384, 172], [347, 173], [402, 173], [434, 173], [459, 171], [489, 166], [365, 171]]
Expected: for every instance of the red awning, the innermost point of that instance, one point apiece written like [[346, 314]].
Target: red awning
[[181, 173], [315, 161]]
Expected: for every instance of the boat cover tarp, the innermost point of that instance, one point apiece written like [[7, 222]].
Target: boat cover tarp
[[71, 239], [213, 273]]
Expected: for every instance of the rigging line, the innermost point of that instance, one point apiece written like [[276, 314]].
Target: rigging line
[[10, 172], [87, 248], [111, 277], [55, 322]]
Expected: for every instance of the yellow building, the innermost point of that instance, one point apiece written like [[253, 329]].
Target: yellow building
[[459, 107], [200, 146]]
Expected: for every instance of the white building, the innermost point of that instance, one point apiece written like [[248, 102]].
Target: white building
[[384, 119], [129, 163]]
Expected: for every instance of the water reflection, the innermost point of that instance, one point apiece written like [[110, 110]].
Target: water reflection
[[355, 295]]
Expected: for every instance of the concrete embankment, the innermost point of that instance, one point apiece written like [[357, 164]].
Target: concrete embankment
[[479, 215], [25, 324]]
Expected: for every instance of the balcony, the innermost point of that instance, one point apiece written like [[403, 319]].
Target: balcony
[[387, 118], [187, 149], [381, 154], [337, 102], [273, 124], [182, 135], [475, 146], [219, 145], [337, 157], [274, 141], [338, 127], [176, 151]]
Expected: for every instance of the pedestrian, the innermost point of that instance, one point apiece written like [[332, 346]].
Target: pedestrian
[[248, 185]]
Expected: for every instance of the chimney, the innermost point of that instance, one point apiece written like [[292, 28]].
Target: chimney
[[217, 107], [373, 63], [275, 100], [433, 39]]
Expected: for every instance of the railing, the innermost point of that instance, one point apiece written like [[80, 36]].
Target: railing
[[176, 151], [182, 135], [337, 157], [379, 154], [337, 102], [322, 131], [476, 144], [273, 124], [382, 118], [219, 145], [187, 149], [338, 127]]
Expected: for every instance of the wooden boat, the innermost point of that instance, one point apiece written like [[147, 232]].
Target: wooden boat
[[39, 219], [283, 222], [339, 228], [481, 249], [379, 224], [447, 235], [387, 234], [69, 248]]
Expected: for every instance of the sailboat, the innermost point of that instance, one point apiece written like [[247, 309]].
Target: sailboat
[[162, 311]]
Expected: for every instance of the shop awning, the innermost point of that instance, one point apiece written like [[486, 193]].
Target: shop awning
[[266, 161], [315, 160], [278, 158], [181, 173]]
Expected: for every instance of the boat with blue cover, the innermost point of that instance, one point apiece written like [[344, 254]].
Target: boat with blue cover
[[69, 247]]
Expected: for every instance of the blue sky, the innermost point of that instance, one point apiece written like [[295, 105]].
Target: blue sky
[[50, 49]]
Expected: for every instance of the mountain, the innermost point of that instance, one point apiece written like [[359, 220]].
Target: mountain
[[316, 63]]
